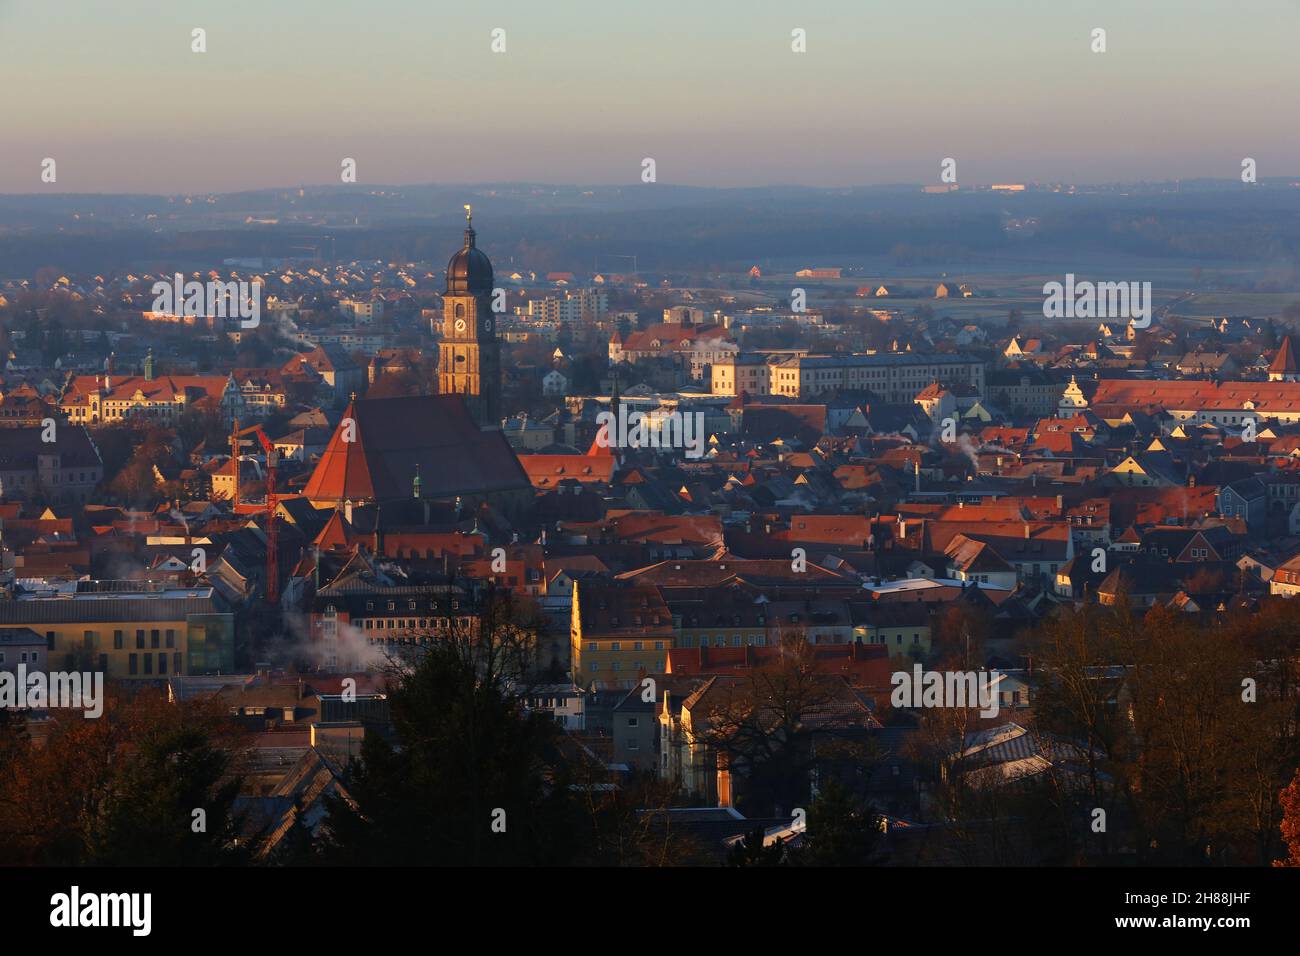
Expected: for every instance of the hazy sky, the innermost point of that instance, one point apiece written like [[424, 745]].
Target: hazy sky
[[587, 88]]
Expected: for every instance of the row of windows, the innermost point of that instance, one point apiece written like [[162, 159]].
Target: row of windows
[[618, 645], [720, 640], [19, 478], [898, 639], [157, 638], [135, 660], [332, 611], [408, 624]]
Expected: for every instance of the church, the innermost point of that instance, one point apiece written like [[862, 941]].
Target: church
[[434, 447]]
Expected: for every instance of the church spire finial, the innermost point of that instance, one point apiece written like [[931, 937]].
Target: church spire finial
[[469, 226]]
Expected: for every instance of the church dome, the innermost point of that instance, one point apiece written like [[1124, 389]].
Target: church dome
[[469, 271]]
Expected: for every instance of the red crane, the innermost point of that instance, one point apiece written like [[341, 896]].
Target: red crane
[[272, 526]]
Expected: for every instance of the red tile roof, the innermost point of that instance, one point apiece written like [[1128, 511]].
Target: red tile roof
[[1284, 362], [865, 665], [433, 436]]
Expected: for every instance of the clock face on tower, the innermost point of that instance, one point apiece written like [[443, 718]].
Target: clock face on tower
[[460, 325]]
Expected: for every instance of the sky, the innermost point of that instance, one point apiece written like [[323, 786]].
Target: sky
[[587, 89]]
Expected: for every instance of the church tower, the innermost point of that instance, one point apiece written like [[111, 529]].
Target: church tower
[[469, 358]]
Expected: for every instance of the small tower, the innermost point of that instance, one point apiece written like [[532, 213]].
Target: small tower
[[1072, 401]]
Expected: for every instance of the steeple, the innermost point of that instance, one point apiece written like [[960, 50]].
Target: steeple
[[1284, 367], [470, 235], [469, 358]]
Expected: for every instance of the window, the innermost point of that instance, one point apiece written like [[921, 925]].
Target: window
[[148, 663], [133, 664], [632, 722], [139, 640], [117, 640]]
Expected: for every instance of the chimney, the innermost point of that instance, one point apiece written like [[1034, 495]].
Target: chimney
[[347, 505], [1026, 529]]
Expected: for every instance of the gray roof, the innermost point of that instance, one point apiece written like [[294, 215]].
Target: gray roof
[[101, 610], [13, 636], [878, 359], [19, 448]]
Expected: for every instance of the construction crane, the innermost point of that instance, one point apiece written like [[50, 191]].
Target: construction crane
[[272, 526]]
